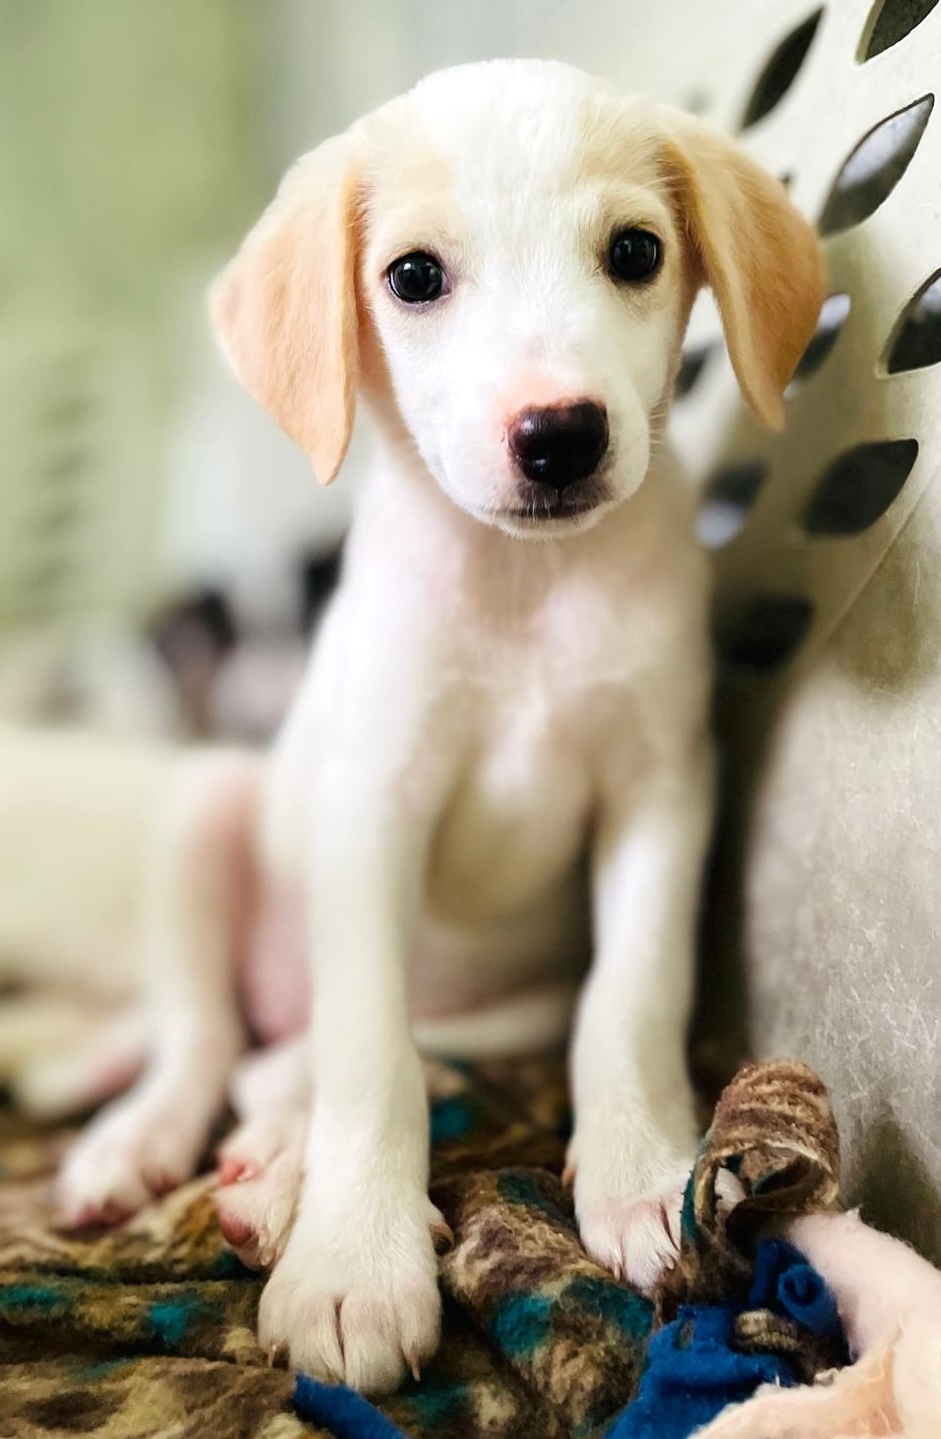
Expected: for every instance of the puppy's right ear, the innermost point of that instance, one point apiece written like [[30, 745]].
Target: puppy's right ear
[[285, 307]]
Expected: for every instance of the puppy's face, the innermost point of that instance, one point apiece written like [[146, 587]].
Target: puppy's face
[[505, 260], [528, 284]]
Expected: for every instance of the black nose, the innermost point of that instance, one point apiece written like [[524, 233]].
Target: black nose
[[559, 444]]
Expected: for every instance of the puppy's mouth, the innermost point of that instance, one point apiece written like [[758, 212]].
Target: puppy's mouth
[[545, 509]]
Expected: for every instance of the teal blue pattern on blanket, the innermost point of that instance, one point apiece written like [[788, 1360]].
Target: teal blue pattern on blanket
[[39, 1298], [227, 1265], [452, 1118], [433, 1401], [521, 1323], [625, 1308], [97, 1369], [516, 1186], [169, 1322]]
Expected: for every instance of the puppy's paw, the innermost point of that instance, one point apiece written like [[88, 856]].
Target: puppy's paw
[[636, 1239], [629, 1212], [354, 1299], [134, 1150], [261, 1166]]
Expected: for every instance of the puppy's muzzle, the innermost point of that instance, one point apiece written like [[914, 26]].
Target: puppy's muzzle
[[558, 445]]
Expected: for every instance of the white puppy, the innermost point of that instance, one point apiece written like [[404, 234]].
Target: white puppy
[[498, 770]]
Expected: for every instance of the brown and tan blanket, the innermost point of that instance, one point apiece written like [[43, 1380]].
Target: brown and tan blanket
[[148, 1329]]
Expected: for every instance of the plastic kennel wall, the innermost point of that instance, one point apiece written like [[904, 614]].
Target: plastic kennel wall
[[822, 936]]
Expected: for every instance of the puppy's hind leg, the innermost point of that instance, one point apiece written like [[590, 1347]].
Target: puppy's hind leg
[[261, 1163], [261, 1169], [276, 1077], [93, 1063], [202, 872]]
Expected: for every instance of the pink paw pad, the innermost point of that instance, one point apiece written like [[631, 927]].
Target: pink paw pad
[[107, 1214], [236, 1230], [232, 1170]]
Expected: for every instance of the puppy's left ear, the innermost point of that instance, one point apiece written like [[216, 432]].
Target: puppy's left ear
[[761, 258], [285, 307]]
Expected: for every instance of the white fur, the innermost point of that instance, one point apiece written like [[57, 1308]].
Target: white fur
[[497, 771], [479, 710]]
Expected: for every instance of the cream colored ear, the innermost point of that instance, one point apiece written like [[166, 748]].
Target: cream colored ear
[[761, 258], [285, 307]]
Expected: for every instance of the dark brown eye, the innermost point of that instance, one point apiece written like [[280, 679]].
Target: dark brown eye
[[634, 255], [417, 278]]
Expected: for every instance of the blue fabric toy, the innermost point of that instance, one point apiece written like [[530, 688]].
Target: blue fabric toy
[[340, 1411], [693, 1369]]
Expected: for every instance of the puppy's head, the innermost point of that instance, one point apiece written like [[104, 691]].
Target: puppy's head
[[504, 260]]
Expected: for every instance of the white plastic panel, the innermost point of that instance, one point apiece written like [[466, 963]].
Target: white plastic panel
[[879, 264]]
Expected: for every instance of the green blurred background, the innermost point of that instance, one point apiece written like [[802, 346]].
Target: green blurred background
[[129, 159]]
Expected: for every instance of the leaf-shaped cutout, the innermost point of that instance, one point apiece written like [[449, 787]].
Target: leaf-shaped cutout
[[692, 366], [320, 575], [781, 71], [875, 167], [766, 632], [917, 338], [890, 21], [833, 313], [728, 498], [859, 486]]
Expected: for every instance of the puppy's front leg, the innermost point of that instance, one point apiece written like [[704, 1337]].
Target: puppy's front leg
[[354, 1297], [635, 1130]]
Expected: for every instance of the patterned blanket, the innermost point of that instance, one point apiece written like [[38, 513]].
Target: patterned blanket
[[148, 1329]]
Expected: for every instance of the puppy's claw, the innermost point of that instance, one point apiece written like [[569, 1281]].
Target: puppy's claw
[[162, 1182], [110, 1213], [277, 1356], [442, 1236], [229, 1171], [236, 1171]]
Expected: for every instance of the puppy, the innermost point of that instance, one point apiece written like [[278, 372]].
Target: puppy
[[495, 786]]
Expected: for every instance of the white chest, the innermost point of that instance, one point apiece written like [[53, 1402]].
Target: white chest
[[518, 813]]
